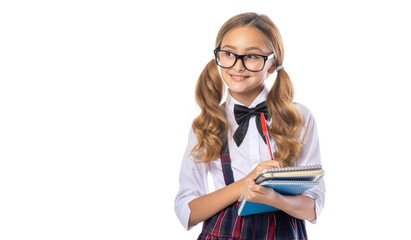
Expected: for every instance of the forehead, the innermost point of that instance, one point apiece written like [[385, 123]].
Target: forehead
[[244, 38]]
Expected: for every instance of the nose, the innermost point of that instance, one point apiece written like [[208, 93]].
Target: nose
[[239, 65]]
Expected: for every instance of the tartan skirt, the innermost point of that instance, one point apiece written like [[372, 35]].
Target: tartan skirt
[[272, 225]]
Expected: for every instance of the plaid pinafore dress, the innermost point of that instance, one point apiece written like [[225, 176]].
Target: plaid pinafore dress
[[228, 225]]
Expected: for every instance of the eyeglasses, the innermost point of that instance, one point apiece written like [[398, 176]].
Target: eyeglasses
[[252, 62]]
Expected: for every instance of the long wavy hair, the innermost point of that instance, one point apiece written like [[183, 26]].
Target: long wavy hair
[[212, 125]]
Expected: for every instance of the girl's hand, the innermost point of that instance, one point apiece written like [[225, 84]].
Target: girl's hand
[[261, 166], [256, 193], [259, 194]]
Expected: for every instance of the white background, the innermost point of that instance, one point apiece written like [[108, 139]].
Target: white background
[[97, 98]]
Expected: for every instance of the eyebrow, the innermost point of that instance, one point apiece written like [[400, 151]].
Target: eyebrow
[[247, 49]]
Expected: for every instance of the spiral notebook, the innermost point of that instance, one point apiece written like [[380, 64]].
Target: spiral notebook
[[301, 173], [286, 181]]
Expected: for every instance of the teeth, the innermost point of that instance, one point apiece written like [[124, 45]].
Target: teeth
[[238, 78]]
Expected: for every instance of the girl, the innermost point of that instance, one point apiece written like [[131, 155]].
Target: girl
[[225, 139]]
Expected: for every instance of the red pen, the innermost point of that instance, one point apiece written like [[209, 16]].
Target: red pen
[[267, 139]]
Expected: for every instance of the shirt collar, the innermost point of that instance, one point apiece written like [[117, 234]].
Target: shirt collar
[[230, 101]]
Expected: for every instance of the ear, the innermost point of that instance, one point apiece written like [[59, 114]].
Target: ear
[[271, 70]]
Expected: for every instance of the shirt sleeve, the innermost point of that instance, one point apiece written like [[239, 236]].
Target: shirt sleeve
[[193, 182], [310, 155]]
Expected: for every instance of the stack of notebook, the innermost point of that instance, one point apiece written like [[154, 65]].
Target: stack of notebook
[[287, 181]]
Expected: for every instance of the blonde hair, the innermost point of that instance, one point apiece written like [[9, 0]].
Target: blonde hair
[[211, 126]]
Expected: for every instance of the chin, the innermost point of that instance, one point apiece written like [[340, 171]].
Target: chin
[[237, 89]]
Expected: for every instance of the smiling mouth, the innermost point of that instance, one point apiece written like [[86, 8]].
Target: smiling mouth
[[238, 78]]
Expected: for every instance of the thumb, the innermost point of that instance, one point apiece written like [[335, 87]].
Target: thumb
[[251, 184]]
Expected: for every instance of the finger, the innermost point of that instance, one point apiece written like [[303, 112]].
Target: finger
[[246, 185], [249, 183], [256, 188], [277, 164], [270, 164], [253, 187], [246, 190]]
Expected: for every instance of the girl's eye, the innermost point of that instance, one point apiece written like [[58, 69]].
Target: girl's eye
[[252, 56], [229, 54]]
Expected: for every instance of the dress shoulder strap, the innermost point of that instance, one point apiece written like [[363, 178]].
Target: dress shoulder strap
[[226, 163]]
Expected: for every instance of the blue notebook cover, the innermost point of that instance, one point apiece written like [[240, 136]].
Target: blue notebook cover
[[283, 187]]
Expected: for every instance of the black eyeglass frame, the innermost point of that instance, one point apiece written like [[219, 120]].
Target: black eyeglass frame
[[216, 51]]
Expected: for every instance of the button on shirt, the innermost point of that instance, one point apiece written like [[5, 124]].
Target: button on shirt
[[252, 151]]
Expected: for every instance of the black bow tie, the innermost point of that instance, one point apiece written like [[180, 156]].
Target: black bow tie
[[242, 116]]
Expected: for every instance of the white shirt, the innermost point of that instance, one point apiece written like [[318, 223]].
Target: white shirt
[[252, 151]]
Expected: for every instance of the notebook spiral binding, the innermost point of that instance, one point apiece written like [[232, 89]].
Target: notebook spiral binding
[[282, 182], [288, 169]]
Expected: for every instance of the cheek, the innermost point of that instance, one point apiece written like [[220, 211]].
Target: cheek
[[224, 74], [260, 77]]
